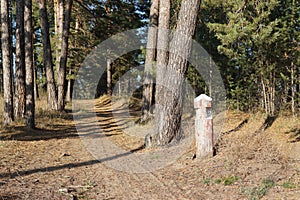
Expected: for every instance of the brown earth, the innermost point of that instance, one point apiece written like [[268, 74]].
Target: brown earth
[[253, 161]]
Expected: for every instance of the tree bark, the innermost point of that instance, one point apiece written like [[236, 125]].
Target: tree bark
[[162, 52], [265, 102], [170, 111], [19, 99], [148, 86], [6, 63], [36, 88], [297, 89], [30, 102], [108, 60], [61, 76], [58, 27], [163, 35], [1, 80], [109, 77], [293, 96], [48, 63], [69, 87]]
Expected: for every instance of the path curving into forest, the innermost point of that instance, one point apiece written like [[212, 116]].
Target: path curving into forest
[[52, 162]]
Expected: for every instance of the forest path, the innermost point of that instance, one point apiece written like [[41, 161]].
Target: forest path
[[52, 162], [112, 120]]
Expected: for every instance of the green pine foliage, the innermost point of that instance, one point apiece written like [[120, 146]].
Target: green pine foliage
[[254, 43], [259, 38]]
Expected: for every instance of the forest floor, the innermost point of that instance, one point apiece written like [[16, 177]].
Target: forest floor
[[257, 158]]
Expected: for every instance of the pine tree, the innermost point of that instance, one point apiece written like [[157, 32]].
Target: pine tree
[[148, 85], [48, 63], [61, 72], [170, 111], [30, 101], [19, 99], [247, 39], [6, 63]]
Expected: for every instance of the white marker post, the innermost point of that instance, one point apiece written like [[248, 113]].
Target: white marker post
[[203, 126]]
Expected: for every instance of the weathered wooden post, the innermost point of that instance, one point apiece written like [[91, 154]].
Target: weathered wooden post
[[203, 126]]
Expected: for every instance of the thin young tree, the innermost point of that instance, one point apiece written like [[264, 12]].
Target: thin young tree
[[48, 63], [6, 63], [35, 75], [148, 84], [28, 30], [61, 75], [109, 76], [170, 111], [108, 60], [19, 99]]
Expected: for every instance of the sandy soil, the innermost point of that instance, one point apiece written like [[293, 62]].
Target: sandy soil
[[51, 162]]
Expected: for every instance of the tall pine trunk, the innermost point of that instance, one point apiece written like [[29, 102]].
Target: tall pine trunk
[[61, 76], [19, 99], [58, 27], [170, 111], [36, 88], [6, 63], [162, 53], [108, 60], [30, 102], [48, 63], [149, 62]]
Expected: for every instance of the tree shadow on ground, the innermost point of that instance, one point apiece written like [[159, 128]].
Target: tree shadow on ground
[[66, 166], [8, 197], [241, 125], [294, 135], [22, 133], [267, 123]]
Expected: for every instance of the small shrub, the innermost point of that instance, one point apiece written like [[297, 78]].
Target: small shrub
[[268, 183], [230, 180], [227, 180], [218, 181], [258, 192], [289, 185], [206, 181], [255, 193]]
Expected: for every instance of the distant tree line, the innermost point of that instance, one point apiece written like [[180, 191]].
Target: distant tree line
[[43, 44], [255, 45]]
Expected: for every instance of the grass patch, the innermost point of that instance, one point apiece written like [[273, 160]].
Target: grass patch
[[218, 181], [206, 181], [227, 180], [289, 185], [230, 180], [255, 193], [258, 192], [268, 183]]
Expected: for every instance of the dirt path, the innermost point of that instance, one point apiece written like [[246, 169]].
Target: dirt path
[[55, 164]]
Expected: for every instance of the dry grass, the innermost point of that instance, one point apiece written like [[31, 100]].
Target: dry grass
[[45, 119], [249, 144], [246, 144], [249, 164]]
